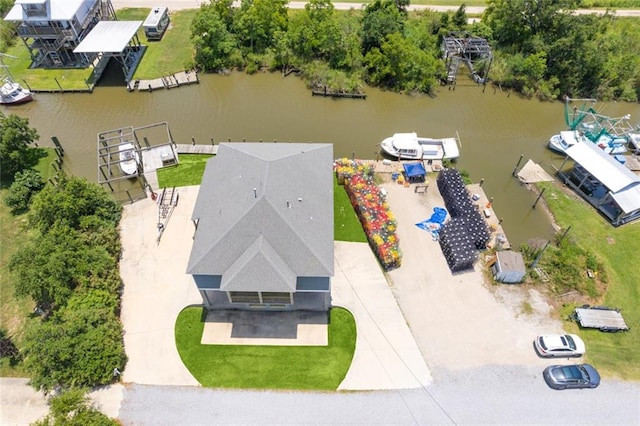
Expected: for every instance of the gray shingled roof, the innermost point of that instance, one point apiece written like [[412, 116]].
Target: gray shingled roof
[[265, 214]]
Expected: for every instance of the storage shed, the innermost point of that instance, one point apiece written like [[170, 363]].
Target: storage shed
[[508, 267]]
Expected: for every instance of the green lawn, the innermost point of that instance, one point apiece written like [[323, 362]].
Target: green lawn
[[173, 53], [14, 312], [615, 354], [44, 79], [347, 227], [267, 367], [188, 172]]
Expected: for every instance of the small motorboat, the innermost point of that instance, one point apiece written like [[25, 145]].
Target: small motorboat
[[128, 159]]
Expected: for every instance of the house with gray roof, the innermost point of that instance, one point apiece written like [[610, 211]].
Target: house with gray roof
[[264, 227]]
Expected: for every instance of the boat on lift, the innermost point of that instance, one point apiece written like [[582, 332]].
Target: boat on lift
[[128, 159]]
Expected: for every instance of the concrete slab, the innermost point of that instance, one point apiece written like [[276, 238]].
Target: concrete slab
[[457, 320], [20, 404], [386, 355], [266, 328], [156, 289]]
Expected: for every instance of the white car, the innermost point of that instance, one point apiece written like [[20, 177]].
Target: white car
[[559, 345]]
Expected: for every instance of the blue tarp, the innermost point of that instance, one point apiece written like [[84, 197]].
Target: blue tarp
[[414, 169], [434, 223]]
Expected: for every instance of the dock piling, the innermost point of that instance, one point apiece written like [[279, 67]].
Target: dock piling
[[515, 169], [538, 199]]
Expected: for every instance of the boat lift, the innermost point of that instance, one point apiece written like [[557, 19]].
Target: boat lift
[[167, 201]]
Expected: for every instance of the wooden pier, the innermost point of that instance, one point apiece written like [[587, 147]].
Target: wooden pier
[[483, 204], [183, 148], [168, 82]]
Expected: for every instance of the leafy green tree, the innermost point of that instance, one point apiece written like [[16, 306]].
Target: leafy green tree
[[401, 65], [381, 18], [76, 347], [50, 267], [16, 152], [25, 184], [214, 44], [460, 17], [315, 33], [514, 23], [257, 21], [73, 408], [70, 201]]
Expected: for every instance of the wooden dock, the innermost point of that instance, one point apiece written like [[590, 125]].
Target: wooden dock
[[183, 148], [498, 237], [168, 82]]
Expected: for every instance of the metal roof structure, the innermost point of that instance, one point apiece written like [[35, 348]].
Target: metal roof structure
[[603, 166], [109, 37], [57, 10], [622, 182], [264, 216]]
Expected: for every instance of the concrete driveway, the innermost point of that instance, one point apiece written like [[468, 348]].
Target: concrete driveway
[[156, 289]]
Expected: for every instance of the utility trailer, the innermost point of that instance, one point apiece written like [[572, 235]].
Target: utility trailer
[[601, 317]]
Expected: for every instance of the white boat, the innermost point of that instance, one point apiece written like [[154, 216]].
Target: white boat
[[128, 159], [11, 93], [409, 146], [609, 144], [566, 139]]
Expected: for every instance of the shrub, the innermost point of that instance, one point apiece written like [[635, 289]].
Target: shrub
[[25, 184]]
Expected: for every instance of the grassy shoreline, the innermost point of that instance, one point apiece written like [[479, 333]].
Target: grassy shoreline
[[615, 354]]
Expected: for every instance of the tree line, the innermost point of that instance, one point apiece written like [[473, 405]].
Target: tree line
[[540, 49], [69, 269]]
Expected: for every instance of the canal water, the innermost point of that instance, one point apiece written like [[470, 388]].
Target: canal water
[[495, 127]]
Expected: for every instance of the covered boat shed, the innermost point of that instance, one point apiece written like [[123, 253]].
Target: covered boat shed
[[605, 183], [113, 39]]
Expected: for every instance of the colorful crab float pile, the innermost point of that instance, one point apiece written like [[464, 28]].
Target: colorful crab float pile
[[373, 211]]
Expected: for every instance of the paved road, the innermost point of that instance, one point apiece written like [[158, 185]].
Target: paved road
[[488, 395]]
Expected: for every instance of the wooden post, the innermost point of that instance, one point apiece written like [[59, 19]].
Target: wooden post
[[212, 142], [535, 262], [129, 195], [58, 83], [566, 231], [481, 182], [538, 199], [57, 143], [515, 169], [193, 141], [146, 141], [500, 221]]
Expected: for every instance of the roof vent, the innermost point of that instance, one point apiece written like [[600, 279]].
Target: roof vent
[[300, 199], [255, 193]]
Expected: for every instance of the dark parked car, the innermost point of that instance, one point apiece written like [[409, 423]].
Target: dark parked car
[[577, 376]]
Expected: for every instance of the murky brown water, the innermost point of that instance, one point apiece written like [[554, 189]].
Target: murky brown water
[[495, 128]]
